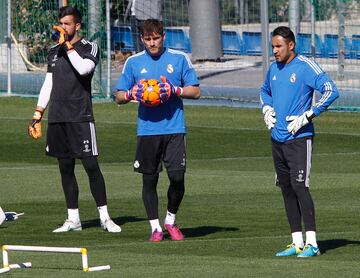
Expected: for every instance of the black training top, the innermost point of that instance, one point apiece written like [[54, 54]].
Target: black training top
[[70, 99]]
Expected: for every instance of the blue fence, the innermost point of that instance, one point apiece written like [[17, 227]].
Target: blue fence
[[247, 43]]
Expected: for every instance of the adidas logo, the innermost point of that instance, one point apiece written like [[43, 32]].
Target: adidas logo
[[143, 70], [274, 77]]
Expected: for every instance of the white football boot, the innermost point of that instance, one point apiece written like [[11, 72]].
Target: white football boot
[[68, 226], [110, 226]]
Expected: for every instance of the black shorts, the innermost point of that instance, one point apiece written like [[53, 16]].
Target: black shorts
[[292, 161], [71, 140], [152, 150]]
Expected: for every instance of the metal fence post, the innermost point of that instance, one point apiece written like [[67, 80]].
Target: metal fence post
[[265, 35], [108, 50], [294, 16], [341, 30], [94, 13], [205, 29], [8, 39]]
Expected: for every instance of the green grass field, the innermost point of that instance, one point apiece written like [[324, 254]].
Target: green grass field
[[232, 214]]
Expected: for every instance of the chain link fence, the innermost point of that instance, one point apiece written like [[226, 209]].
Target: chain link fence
[[328, 31]]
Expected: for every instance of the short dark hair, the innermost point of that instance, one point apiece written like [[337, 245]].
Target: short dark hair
[[284, 32], [68, 10], [152, 26]]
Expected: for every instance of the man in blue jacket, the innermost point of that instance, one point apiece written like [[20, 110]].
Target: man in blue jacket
[[288, 108]]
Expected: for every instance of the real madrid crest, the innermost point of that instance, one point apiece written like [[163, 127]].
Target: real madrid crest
[[170, 68], [293, 78]]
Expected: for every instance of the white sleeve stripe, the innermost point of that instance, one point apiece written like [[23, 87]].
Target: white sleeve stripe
[[184, 54], [131, 57], [312, 64], [315, 66], [308, 162], [262, 102], [93, 139], [123, 70], [326, 95], [324, 98], [94, 49]]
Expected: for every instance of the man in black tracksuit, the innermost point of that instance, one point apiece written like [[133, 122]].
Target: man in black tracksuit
[[71, 129]]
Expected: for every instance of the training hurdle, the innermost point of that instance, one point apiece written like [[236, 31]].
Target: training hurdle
[[13, 266], [82, 251]]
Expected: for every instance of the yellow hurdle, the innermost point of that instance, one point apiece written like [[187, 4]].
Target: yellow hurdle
[[83, 251]]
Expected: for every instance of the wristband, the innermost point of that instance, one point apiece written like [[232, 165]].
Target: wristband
[[179, 91], [37, 115], [128, 95]]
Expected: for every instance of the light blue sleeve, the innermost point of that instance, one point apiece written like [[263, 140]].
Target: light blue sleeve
[[326, 87], [189, 74], [126, 79], [265, 92]]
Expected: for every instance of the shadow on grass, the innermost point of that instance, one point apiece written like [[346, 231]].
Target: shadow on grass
[[330, 244], [205, 230], [118, 220]]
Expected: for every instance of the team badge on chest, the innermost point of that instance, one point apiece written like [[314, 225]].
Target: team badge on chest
[[170, 68], [293, 78]]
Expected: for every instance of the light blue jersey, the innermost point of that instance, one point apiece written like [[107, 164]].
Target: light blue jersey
[[167, 118], [289, 89]]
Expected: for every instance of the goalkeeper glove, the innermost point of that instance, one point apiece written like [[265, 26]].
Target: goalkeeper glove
[[164, 96], [164, 92], [297, 122], [63, 37], [34, 128], [170, 88], [136, 92], [269, 116]]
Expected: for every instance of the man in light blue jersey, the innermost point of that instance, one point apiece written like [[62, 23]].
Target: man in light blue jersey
[[287, 104], [161, 129]]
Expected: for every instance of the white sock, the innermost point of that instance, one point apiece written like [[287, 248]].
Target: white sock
[[155, 225], [103, 213], [74, 215], [170, 218], [311, 238], [297, 239]]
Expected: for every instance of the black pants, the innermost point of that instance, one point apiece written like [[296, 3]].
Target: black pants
[[70, 185], [175, 193], [292, 161]]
